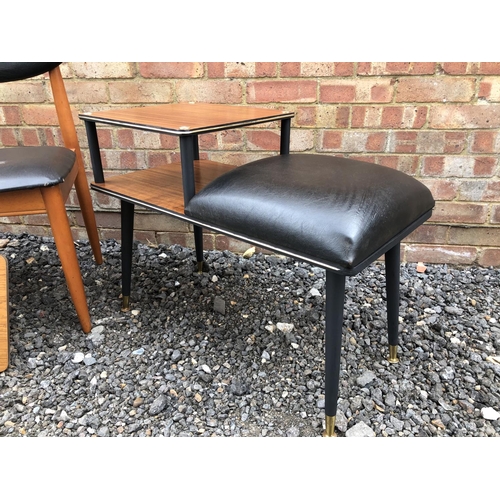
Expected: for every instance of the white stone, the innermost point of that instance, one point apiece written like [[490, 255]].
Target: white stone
[[490, 414], [78, 357], [314, 292], [206, 369], [360, 430], [285, 327]]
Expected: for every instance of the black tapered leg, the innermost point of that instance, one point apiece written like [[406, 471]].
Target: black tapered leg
[[127, 222], [392, 272], [198, 244], [189, 153], [335, 291]]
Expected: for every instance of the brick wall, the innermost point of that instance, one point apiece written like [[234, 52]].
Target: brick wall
[[437, 121]]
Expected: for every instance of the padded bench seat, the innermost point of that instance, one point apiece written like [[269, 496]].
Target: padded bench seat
[[325, 209], [339, 213]]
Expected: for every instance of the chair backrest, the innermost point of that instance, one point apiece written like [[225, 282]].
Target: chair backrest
[[13, 71]]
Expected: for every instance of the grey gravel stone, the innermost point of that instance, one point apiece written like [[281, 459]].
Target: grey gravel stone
[[360, 430], [262, 380]]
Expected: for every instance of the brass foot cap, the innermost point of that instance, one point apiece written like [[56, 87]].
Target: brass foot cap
[[393, 354], [126, 304], [329, 427]]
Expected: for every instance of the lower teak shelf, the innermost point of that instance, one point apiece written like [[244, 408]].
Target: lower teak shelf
[[160, 188]]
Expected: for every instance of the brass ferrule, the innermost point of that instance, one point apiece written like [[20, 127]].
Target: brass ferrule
[[393, 354], [329, 427], [126, 303], [200, 267]]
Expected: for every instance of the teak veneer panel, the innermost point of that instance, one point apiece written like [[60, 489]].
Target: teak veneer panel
[[186, 118], [160, 187], [4, 315]]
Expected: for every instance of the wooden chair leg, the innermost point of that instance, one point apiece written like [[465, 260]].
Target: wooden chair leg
[[392, 275], [70, 139], [335, 292], [85, 201], [58, 218]]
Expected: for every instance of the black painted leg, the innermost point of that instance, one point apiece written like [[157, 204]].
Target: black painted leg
[[127, 221], [335, 291], [198, 243], [392, 272]]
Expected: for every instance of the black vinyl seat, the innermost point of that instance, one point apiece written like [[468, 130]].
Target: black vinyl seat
[[336, 212], [34, 167]]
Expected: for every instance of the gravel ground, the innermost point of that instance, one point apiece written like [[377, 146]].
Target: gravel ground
[[238, 350]]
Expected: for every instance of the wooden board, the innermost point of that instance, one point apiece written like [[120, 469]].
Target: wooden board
[[4, 315]]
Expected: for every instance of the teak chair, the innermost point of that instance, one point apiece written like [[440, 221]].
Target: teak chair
[[38, 179]]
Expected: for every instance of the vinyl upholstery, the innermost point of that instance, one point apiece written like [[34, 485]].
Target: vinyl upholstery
[[31, 167], [330, 208]]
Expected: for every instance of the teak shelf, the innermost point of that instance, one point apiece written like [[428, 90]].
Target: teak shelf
[[160, 188]]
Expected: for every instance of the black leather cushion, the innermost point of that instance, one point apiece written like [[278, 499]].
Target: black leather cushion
[[12, 71], [29, 167], [337, 210]]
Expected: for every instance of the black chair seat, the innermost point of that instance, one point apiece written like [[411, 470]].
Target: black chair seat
[[33, 167], [341, 212]]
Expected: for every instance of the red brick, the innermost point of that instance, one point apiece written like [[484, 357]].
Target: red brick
[[305, 116], [265, 69], [455, 68], [404, 163], [338, 93], [489, 257], [290, 69], [433, 165], [215, 70], [392, 117], [428, 233], [168, 142], [231, 139], [8, 137], [39, 115], [331, 140], [403, 142], [171, 69], [264, 140], [440, 89], [30, 137], [495, 214], [10, 115], [281, 91], [344, 69], [376, 141], [466, 213], [441, 189], [485, 142], [489, 68]]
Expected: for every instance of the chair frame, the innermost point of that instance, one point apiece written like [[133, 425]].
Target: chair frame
[[51, 200]]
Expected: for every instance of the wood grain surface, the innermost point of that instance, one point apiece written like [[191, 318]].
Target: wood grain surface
[[160, 187], [4, 315], [186, 118]]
